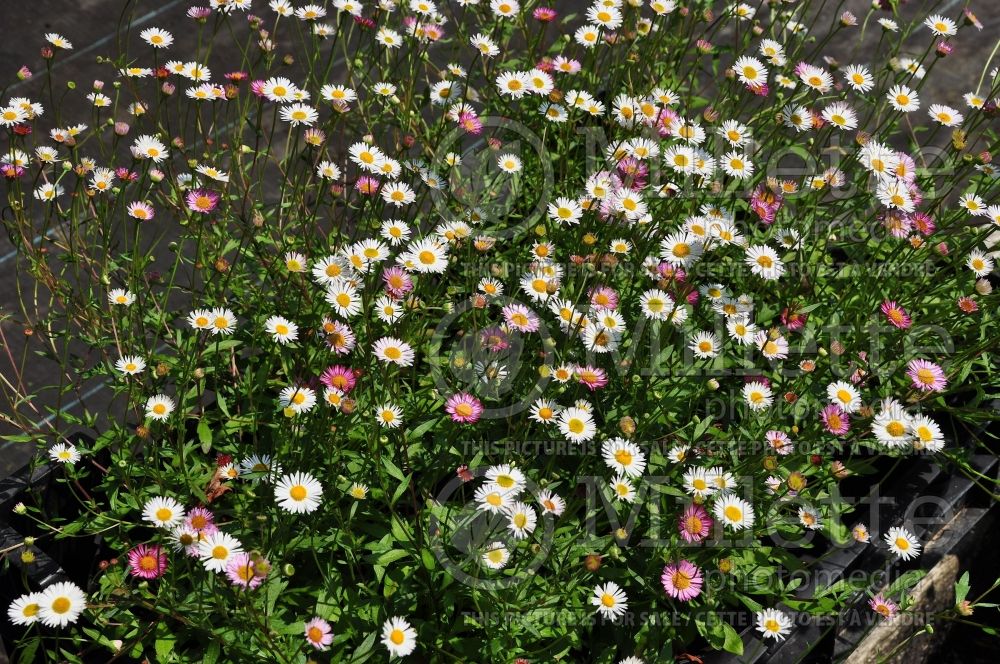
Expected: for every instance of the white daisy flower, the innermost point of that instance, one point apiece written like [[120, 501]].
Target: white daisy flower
[[163, 512], [774, 624], [64, 453], [61, 604], [298, 493], [398, 637], [610, 600], [217, 549], [902, 543]]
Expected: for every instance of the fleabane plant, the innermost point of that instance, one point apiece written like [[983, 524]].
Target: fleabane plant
[[488, 330]]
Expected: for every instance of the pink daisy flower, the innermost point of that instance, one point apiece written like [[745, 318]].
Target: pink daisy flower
[[668, 272], [566, 65], [883, 606], [147, 561], [897, 223], [923, 222], [896, 314], [246, 572], [778, 441], [140, 210], [765, 204], [494, 339], [603, 297], [397, 282], [967, 304], [319, 634], [340, 377], [367, 185], [199, 519], [339, 336], [202, 200], [926, 376], [835, 420], [694, 524], [793, 319], [126, 175], [470, 123], [463, 407], [199, 13], [592, 377], [544, 14], [520, 317], [682, 581]]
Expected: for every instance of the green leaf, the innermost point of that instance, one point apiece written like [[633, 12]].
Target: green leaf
[[962, 587], [428, 558], [750, 603], [424, 427], [213, 651], [734, 643], [393, 469], [204, 435], [400, 489], [365, 648], [391, 556], [400, 531], [165, 649], [29, 650], [906, 581]]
